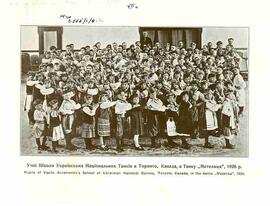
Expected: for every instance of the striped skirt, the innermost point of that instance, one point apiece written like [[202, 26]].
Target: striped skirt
[[104, 127], [88, 130]]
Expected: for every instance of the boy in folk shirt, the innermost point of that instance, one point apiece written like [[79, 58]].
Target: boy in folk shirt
[[121, 107]]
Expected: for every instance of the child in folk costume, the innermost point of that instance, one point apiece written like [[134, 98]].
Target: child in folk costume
[[240, 86], [208, 123], [229, 117], [228, 86], [68, 108], [195, 115], [143, 95], [184, 123], [155, 108], [196, 97], [39, 78], [121, 107], [173, 118], [203, 86], [48, 95], [136, 120], [40, 118], [104, 120], [219, 98], [55, 125], [109, 90], [93, 90], [227, 75], [63, 80], [30, 83], [161, 94], [81, 88], [88, 121], [176, 90]]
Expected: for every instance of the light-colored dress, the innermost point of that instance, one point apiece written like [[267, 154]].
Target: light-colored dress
[[39, 126], [155, 108], [29, 96], [240, 85], [210, 114], [67, 108], [57, 129], [229, 115], [122, 125]]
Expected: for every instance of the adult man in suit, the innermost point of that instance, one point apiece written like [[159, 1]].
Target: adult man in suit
[[146, 40]]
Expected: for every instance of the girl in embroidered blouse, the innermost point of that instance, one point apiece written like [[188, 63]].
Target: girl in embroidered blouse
[[104, 119], [155, 108], [136, 120], [40, 118], [89, 121], [208, 123], [56, 130], [229, 117]]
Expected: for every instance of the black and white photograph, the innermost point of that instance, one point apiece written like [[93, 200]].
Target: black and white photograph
[[135, 103], [134, 91]]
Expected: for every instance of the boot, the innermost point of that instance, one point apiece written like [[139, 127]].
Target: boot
[[86, 141], [207, 144], [185, 144], [171, 143], [119, 145], [72, 145], [154, 144], [30, 118], [38, 143], [69, 146], [122, 142], [58, 145], [194, 134], [228, 145], [88, 144], [91, 146], [67, 142], [104, 147], [44, 147], [54, 144]]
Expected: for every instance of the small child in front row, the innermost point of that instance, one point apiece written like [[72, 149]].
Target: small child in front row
[[104, 119], [55, 125], [30, 83], [67, 109], [121, 107], [229, 119], [136, 120], [195, 115], [208, 123], [172, 115], [40, 118], [155, 109], [184, 123], [88, 121]]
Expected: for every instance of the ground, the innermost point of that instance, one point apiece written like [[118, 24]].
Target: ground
[[28, 145]]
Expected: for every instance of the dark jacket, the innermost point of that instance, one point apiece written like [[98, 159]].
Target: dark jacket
[[184, 124], [146, 41]]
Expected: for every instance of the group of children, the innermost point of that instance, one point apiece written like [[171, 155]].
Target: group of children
[[136, 92]]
